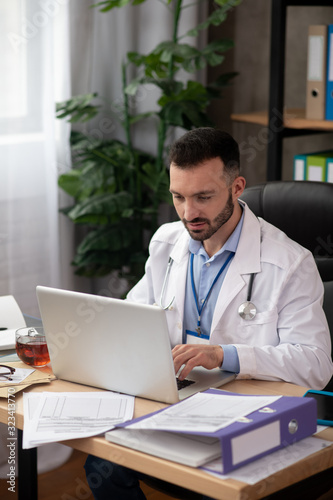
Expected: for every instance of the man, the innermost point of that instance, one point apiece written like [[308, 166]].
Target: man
[[216, 254]]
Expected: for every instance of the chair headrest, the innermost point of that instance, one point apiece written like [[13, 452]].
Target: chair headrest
[[303, 210]]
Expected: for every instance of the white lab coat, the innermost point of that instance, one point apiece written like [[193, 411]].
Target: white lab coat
[[288, 339]]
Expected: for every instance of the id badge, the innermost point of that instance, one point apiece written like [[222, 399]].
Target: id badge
[[193, 338]]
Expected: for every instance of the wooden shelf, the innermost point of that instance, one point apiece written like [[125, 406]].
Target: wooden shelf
[[293, 118]]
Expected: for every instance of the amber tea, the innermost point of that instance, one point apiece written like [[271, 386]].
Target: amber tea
[[31, 347]]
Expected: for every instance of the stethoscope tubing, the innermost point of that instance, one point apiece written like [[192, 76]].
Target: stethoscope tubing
[[250, 286], [248, 302]]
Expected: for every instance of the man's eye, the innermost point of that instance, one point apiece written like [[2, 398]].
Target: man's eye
[[204, 198]]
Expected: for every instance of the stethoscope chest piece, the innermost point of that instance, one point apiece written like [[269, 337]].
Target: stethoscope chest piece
[[247, 310]]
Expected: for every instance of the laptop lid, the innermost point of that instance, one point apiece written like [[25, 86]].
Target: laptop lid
[[115, 345]]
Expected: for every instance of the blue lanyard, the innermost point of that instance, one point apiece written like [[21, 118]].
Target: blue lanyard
[[199, 309]]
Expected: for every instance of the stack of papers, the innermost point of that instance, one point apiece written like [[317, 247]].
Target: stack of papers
[[52, 417], [18, 377], [24, 377]]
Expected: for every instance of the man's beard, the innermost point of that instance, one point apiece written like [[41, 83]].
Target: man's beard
[[213, 227]]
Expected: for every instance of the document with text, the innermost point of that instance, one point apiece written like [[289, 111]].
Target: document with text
[[204, 412], [51, 417]]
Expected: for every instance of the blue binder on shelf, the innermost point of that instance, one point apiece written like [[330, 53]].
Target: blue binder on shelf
[[329, 82], [286, 421], [329, 169]]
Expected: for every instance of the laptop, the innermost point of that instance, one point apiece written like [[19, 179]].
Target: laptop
[[116, 345]]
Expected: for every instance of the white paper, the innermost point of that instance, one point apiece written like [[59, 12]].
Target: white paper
[[315, 173], [11, 318], [299, 170], [204, 412], [51, 417], [17, 377], [270, 464]]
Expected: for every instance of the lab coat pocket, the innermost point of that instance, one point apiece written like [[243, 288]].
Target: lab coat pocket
[[261, 330]]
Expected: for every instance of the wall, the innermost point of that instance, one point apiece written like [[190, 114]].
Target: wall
[[249, 26]]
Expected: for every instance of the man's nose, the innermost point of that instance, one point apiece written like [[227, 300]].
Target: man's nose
[[191, 211]]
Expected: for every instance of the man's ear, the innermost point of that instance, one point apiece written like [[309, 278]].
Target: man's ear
[[238, 186]]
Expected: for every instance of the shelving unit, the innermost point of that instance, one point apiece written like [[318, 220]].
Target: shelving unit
[[282, 123]]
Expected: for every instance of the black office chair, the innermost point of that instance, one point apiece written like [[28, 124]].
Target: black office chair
[[304, 211]]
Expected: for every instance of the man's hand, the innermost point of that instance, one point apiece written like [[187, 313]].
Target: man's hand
[[191, 355]]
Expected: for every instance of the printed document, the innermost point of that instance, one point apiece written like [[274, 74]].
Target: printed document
[[52, 416], [204, 412]]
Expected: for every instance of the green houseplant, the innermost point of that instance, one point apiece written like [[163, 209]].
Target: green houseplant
[[118, 189]]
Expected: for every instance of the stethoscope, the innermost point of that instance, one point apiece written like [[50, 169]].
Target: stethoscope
[[246, 311], [166, 277]]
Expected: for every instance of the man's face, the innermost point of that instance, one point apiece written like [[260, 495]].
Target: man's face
[[203, 200]]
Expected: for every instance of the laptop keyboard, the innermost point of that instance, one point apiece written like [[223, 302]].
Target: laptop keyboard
[[181, 384]]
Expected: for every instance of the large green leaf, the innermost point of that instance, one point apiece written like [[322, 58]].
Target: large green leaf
[[194, 91], [181, 55], [70, 182], [111, 238], [166, 85], [99, 262], [185, 114], [212, 51], [152, 64], [158, 182], [111, 247], [215, 19], [82, 142], [78, 108], [101, 209]]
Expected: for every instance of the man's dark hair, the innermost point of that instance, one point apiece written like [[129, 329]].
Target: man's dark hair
[[202, 144]]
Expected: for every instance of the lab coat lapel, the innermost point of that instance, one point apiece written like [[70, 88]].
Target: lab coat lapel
[[245, 261]]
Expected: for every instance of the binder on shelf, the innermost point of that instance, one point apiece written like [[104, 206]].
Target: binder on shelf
[[329, 81], [317, 166], [313, 167], [299, 168], [286, 420], [316, 72], [329, 169]]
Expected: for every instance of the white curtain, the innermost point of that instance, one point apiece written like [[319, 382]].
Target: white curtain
[[34, 55], [34, 69]]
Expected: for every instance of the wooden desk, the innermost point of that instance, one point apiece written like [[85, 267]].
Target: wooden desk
[[186, 476]]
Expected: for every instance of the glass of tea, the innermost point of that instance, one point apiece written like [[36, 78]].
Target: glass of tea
[[31, 346]]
